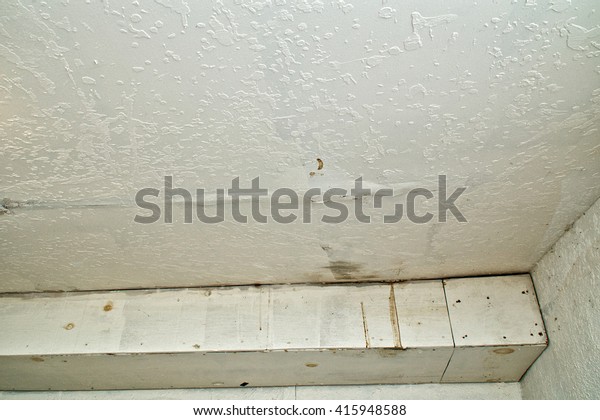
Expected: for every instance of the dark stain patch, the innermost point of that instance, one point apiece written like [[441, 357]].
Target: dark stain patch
[[344, 270], [386, 353], [108, 307], [196, 346], [504, 351], [311, 365], [37, 359], [69, 326], [319, 164], [244, 384]]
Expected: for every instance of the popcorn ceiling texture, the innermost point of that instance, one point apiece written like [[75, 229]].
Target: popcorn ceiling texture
[[98, 100], [567, 280]]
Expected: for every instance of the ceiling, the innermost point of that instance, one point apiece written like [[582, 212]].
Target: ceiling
[[101, 99]]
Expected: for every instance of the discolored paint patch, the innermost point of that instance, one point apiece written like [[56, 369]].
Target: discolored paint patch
[[69, 326], [386, 353], [37, 359], [504, 351], [311, 365], [344, 270], [108, 307]]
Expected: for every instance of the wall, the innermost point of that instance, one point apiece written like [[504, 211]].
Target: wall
[[567, 281], [510, 391]]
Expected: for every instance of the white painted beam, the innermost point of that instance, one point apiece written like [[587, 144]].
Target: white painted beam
[[497, 326], [229, 337]]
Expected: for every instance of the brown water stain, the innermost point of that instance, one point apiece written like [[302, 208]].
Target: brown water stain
[[394, 318]]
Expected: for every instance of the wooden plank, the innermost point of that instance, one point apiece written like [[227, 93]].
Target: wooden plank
[[265, 336], [262, 336], [422, 314], [497, 327], [222, 369]]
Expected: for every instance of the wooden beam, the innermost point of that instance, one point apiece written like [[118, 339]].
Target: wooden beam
[[246, 336]]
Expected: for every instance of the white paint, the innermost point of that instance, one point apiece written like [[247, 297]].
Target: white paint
[[499, 391], [567, 280], [497, 328], [98, 101], [262, 336]]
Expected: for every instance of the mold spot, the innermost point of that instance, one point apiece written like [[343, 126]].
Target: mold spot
[[108, 307], [244, 384], [504, 351], [37, 359], [69, 326], [319, 164], [196, 346], [311, 365]]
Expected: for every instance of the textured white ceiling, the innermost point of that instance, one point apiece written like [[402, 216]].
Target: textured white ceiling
[[99, 99]]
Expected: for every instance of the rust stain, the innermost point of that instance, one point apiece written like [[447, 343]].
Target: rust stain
[[320, 164], [69, 326], [394, 318], [504, 351], [365, 326], [311, 365], [37, 359], [108, 307]]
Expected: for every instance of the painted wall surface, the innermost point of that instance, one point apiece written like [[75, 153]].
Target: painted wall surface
[[567, 280], [497, 391], [100, 99]]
